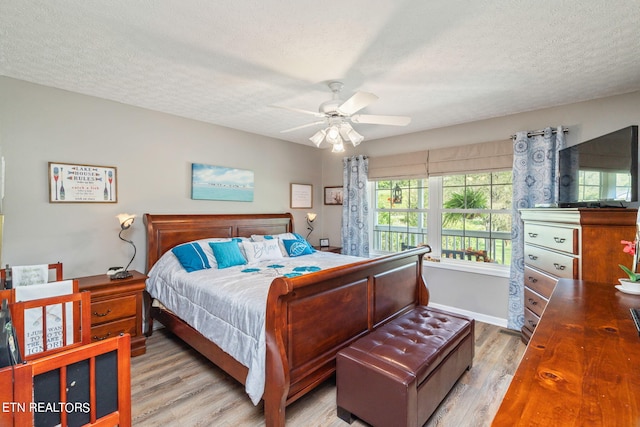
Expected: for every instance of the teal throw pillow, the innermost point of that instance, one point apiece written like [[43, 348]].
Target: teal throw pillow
[[191, 257], [298, 247], [227, 254]]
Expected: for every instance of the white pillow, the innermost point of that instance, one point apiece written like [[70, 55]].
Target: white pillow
[[262, 251]]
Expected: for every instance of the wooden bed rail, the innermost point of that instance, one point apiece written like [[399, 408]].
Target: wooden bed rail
[[312, 317]]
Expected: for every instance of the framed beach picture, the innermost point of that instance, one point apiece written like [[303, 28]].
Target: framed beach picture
[[221, 183], [74, 183], [333, 195]]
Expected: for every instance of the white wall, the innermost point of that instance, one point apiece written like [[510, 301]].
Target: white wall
[[481, 293], [152, 152]]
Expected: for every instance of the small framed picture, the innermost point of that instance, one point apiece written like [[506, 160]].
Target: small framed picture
[[324, 243], [301, 196], [333, 195]]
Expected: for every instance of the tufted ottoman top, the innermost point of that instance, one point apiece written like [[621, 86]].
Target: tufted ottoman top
[[416, 342]]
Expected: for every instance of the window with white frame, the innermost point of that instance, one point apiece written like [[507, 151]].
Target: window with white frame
[[598, 185], [463, 216]]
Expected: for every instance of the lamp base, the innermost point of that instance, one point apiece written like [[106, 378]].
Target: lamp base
[[121, 275]]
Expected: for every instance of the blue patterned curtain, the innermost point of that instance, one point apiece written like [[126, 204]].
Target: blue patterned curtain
[[535, 171], [355, 206]]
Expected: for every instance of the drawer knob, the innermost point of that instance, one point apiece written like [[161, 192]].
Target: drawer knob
[[558, 266], [97, 338], [533, 257], [559, 239], [95, 313], [532, 279], [533, 235], [532, 323], [533, 302]]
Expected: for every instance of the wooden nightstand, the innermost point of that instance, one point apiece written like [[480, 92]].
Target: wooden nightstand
[[334, 249], [116, 307]]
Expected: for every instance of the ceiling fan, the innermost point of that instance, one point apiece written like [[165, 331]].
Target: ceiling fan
[[336, 115]]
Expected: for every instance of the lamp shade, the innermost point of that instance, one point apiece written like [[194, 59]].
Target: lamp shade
[[333, 135], [338, 147], [125, 220], [311, 216], [318, 137]]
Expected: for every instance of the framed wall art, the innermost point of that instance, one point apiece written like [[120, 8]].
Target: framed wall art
[[221, 183], [301, 196], [75, 183], [333, 195]]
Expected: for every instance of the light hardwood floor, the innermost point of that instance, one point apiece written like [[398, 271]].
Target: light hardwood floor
[[173, 385]]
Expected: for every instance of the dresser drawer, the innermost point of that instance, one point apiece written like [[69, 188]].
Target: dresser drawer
[[534, 302], [538, 281], [113, 309], [113, 329], [531, 320], [562, 239], [555, 263]]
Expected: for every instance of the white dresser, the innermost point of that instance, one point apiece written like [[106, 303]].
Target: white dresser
[[573, 243]]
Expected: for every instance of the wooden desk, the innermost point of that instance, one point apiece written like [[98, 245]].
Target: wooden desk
[[582, 365]]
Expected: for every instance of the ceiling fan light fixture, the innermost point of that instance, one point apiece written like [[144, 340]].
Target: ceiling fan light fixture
[[338, 147], [318, 137], [333, 135], [355, 137]]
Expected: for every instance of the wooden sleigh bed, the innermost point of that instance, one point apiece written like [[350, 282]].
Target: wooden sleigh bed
[[309, 318]]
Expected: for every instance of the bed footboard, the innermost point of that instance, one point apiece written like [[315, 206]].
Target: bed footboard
[[311, 317]]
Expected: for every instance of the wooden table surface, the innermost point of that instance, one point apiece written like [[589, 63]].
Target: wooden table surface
[[582, 365]]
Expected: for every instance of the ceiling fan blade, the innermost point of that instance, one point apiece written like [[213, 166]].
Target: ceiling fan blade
[[381, 120], [303, 126], [356, 103], [299, 110]]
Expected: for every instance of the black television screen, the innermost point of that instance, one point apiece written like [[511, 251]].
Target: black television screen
[[601, 172]]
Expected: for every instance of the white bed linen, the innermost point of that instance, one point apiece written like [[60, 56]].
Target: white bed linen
[[228, 305]]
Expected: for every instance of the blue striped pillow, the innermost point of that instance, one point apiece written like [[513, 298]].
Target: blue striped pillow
[[191, 256]]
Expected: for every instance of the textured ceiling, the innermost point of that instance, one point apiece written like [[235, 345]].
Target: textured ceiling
[[440, 62]]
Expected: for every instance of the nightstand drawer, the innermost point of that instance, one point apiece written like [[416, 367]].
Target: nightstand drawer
[[541, 283], [562, 239], [534, 302], [113, 329], [113, 309]]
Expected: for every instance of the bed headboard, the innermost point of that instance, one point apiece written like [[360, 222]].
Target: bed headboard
[[167, 231]]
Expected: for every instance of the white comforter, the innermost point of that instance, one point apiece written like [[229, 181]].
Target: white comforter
[[228, 305]]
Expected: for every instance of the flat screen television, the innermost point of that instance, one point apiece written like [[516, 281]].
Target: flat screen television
[[601, 172]]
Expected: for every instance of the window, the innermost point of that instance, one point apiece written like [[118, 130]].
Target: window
[[465, 216], [400, 214], [597, 185]]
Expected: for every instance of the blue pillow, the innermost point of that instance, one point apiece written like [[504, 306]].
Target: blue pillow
[[298, 247], [227, 254], [191, 256]]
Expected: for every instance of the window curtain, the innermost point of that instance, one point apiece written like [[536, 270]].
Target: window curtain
[[355, 207], [535, 169]]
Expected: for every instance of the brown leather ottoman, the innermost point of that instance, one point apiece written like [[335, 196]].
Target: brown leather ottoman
[[398, 374]]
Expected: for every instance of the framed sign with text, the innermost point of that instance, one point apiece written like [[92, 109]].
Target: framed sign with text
[[301, 196], [74, 183]]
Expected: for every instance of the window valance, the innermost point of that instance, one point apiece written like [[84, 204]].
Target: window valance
[[399, 166], [485, 156]]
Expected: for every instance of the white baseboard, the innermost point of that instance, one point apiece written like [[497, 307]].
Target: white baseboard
[[477, 316]]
